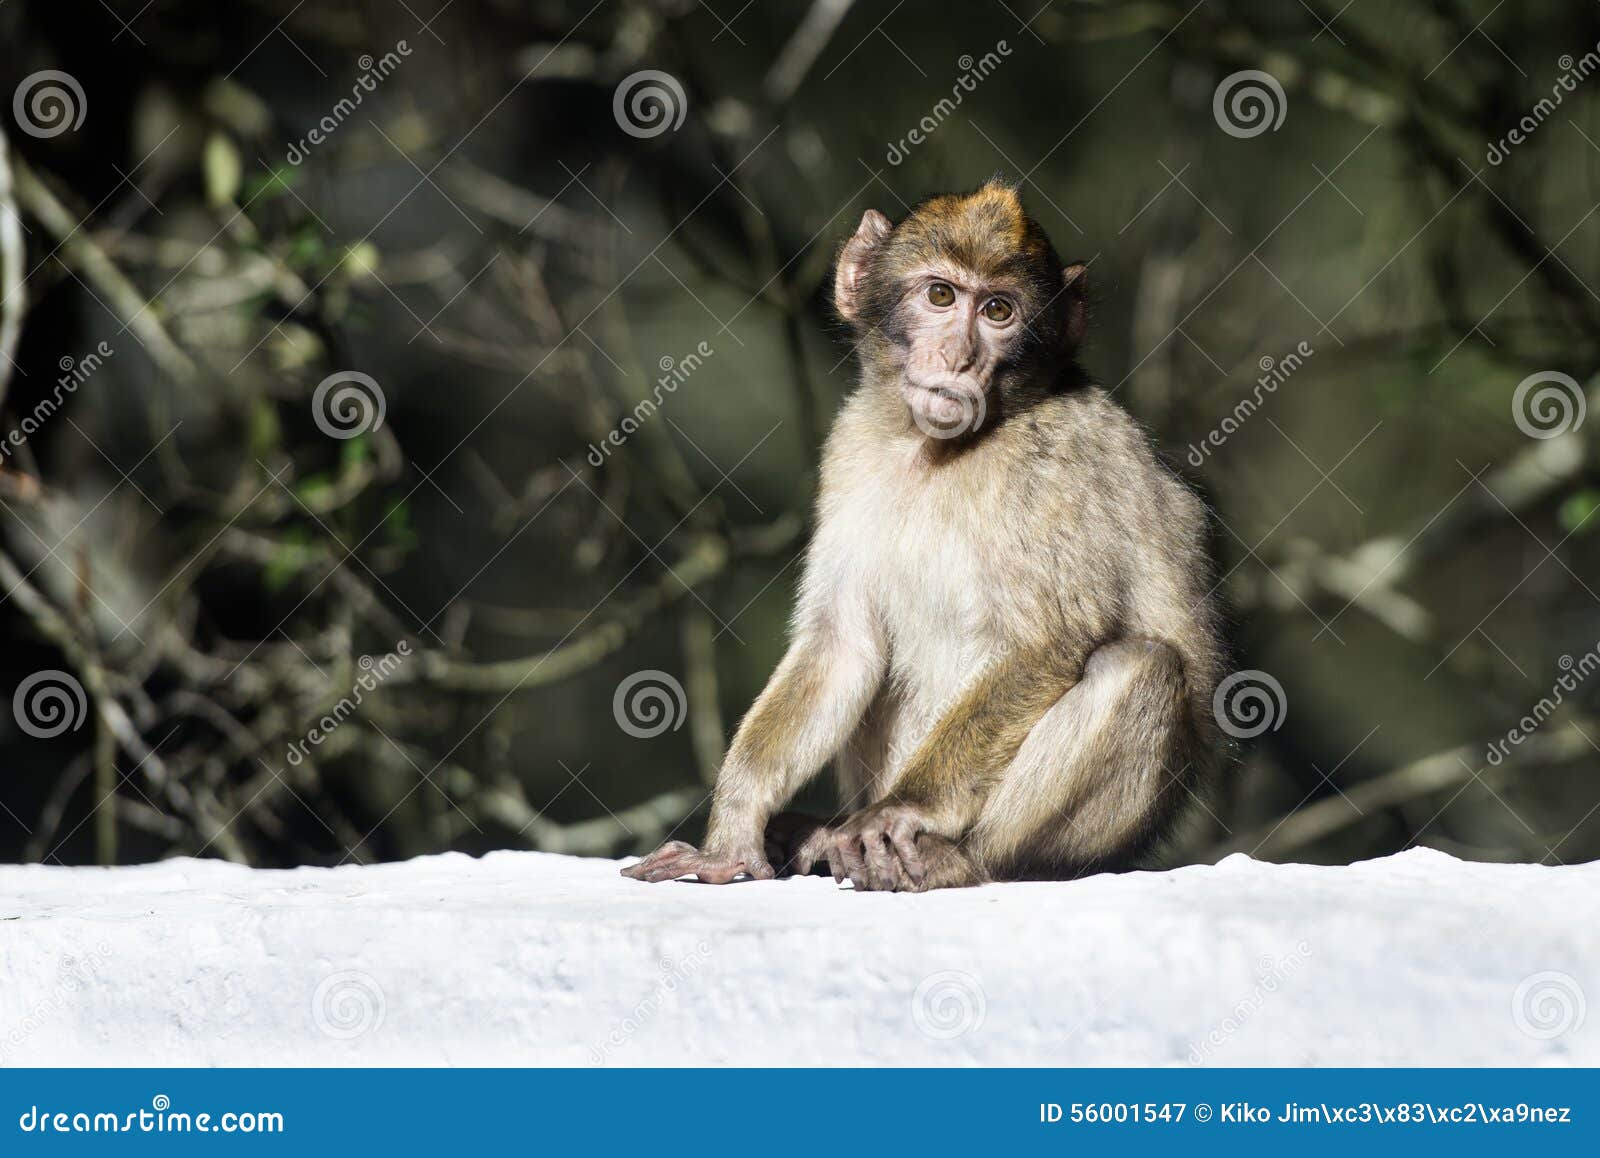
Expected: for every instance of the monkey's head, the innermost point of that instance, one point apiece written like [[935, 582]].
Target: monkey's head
[[963, 307]]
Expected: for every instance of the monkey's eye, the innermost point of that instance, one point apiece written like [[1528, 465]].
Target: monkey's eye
[[997, 310], [941, 294]]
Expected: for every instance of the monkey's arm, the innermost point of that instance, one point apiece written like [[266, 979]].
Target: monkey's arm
[[803, 717]]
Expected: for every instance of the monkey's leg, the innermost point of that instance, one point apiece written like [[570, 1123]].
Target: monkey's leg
[[1098, 776]]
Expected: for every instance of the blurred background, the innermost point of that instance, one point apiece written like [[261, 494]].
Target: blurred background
[[409, 409]]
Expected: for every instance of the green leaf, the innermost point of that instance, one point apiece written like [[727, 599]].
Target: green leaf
[[314, 489], [271, 184], [354, 453], [397, 525], [266, 435], [224, 171], [1578, 511], [291, 557]]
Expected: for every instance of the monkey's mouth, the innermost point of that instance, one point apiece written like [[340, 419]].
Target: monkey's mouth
[[944, 410]]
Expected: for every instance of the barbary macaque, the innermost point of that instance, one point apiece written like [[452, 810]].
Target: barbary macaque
[[1005, 638]]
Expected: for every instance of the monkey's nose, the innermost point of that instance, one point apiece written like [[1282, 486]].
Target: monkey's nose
[[961, 358]]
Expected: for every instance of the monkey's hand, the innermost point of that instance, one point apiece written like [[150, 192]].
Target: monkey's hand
[[677, 859], [876, 848], [787, 838]]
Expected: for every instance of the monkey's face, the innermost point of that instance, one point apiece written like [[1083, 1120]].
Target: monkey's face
[[961, 307], [952, 330]]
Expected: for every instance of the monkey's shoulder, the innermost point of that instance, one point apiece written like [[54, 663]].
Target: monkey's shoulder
[[1086, 431], [1086, 450]]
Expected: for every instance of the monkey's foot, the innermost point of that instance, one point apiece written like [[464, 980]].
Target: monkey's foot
[[677, 859], [881, 849]]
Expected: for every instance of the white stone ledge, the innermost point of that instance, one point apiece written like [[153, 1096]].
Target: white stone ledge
[[528, 958]]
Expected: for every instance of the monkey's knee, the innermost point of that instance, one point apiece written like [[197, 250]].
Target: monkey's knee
[[1094, 781], [1130, 661]]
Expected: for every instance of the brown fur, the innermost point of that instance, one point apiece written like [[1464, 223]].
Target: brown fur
[[1005, 638]]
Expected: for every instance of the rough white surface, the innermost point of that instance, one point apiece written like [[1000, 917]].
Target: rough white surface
[[528, 958]]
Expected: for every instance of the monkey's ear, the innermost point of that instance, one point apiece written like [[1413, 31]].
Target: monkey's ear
[[1075, 295], [853, 257]]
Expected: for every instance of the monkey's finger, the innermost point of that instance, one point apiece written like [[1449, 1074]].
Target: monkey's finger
[[812, 852], [671, 851], [716, 872], [903, 837], [849, 849], [880, 861], [669, 870], [835, 861], [759, 870]]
